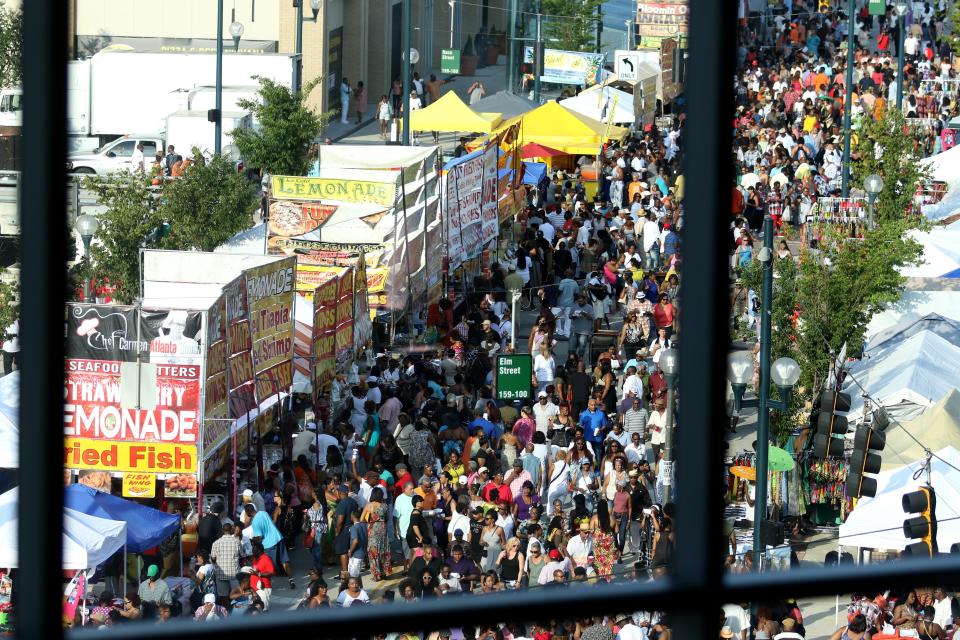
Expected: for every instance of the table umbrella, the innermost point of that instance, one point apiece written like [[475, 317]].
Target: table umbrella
[[748, 180], [778, 459], [534, 150], [744, 473]]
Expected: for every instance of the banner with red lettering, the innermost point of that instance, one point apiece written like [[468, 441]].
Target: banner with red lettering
[[344, 334], [270, 295], [323, 341], [241, 395]]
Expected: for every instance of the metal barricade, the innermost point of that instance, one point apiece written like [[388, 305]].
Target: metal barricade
[[837, 210]]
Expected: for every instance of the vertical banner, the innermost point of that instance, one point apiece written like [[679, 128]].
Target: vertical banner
[[470, 204], [362, 326], [241, 396], [270, 294], [344, 333], [216, 423], [324, 329]]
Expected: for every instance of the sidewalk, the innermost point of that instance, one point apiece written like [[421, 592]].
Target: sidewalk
[[493, 79]]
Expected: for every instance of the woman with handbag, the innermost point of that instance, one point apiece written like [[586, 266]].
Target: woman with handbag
[[378, 543], [315, 528]]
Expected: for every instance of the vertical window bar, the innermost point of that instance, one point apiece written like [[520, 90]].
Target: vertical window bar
[[43, 278]]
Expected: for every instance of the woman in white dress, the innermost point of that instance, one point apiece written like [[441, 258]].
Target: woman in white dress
[[559, 485]]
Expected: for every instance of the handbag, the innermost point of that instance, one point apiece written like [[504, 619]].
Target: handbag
[[309, 539]]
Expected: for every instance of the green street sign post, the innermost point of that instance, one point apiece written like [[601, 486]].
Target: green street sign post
[[513, 374], [450, 61], [877, 7]]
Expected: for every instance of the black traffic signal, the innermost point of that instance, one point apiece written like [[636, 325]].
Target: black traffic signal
[[830, 427], [923, 501], [864, 461]]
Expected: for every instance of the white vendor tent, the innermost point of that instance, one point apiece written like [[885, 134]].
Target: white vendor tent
[[872, 524], [907, 378], [946, 328], [9, 425], [937, 428], [941, 254], [948, 205], [601, 107], [915, 304], [944, 167], [87, 540]]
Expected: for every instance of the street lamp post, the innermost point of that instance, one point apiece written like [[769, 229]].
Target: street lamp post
[[873, 185], [900, 7], [670, 365], [405, 48], [628, 39], [785, 373], [87, 226], [236, 32], [848, 99], [538, 52], [315, 6]]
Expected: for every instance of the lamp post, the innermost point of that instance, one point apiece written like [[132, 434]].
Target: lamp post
[[315, 6], [216, 116], [628, 39], [785, 373], [848, 99], [538, 52], [670, 365], [405, 48], [900, 7], [873, 185], [87, 226]]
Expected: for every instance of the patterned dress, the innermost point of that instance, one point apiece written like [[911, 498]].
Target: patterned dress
[[378, 546], [603, 553]]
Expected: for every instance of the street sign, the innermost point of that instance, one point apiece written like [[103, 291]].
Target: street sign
[[450, 61], [627, 65], [513, 374], [877, 7]]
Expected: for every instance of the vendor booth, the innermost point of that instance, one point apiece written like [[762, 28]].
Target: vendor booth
[[939, 427], [605, 104], [508, 105], [145, 527], [555, 126], [450, 113]]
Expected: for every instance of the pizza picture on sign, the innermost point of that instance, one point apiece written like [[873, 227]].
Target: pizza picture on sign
[[291, 219]]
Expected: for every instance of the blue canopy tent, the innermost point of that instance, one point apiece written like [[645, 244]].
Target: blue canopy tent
[[146, 527], [534, 173]]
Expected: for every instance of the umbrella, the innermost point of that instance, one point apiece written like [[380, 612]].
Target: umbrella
[[749, 180], [744, 473], [779, 179], [534, 150], [778, 459]]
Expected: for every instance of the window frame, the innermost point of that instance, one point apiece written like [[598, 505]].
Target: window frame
[[696, 590]]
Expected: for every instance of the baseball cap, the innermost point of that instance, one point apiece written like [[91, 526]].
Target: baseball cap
[[209, 598], [483, 470], [152, 570], [542, 394], [247, 493], [554, 554]]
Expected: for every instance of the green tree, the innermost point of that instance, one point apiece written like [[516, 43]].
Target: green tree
[[573, 23], [131, 213], [207, 205], [884, 148], [9, 298], [287, 128], [11, 46]]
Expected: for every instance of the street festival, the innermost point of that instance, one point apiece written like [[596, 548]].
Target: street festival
[[446, 366]]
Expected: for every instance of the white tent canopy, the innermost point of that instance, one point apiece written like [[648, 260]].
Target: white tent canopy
[[945, 166], [946, 328], [908, 377], [872, 524], [941, 254], [87, 540], [913, 305], [9, 424], [601, 107]]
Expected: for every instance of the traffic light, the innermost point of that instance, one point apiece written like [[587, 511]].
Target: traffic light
[[823, 6], [923, 501], [830, 427], [862, 461]]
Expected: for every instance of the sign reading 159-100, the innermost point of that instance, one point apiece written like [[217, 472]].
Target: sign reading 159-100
[[513, 373]]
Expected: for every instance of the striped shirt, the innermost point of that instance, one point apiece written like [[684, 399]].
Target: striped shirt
[[635, 421]]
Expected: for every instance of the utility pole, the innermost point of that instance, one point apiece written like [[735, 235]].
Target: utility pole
[[512, 48], [763, 400], [218, 99], [671, 377], [599, 26], [405, 47], [901, 36], [538, 53], [847, 108], [298, 65]]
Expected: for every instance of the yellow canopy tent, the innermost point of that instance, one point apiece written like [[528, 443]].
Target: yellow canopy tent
[[449, 113], [555, 126]]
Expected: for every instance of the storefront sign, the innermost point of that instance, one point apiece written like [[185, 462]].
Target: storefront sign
[[450, 61], [84, 453], [662, 19], [513, 376], [352, 191], [139, 485]]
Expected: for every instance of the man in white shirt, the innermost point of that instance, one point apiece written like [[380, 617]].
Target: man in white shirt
[[942, 605], [548, 231], [320, 441], [544, 411], [628, 630], [737, 619], [580, 547], [657, 427], [632, 384], [635, 451], [557, 563], [11, 347], [789, 625]]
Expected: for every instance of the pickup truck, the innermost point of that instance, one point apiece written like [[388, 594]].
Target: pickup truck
[[115, 156]]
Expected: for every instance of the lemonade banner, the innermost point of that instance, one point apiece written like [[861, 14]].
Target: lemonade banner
[[353, 191]]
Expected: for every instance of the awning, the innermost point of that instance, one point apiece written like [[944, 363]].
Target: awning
[[557, 127], [449, 113], [534, 150]]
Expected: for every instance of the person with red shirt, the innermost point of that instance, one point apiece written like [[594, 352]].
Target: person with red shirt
[[504, 496], [263, 570]]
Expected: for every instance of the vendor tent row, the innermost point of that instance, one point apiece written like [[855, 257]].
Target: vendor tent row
[[95, 526]]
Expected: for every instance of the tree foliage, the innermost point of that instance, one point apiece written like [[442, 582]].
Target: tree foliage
[[207, 205], [204, 208], [572, 22], [287, 127], [9, 298], [11, 46]]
